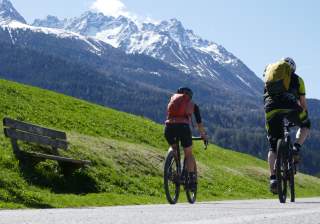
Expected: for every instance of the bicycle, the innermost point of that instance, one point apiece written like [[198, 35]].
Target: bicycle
[[285, 167], [175, 174]]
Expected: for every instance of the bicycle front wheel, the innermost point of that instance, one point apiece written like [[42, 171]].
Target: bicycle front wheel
[[171, 178], [291, 180], [282, 170]]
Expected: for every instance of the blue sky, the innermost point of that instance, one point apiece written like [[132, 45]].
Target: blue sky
[[257, 32]]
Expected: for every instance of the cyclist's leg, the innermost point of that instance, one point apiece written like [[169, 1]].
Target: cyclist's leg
[[186, 142], [190, 160], [185, 137], [300, 118], [275, 109], [171, 132], [302, 134], [191, 168], [274, 126], [271, 161], [303, 121]]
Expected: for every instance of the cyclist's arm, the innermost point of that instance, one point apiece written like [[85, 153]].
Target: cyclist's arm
[[202, 131], [303, 102], [198, 118], [302, 94]]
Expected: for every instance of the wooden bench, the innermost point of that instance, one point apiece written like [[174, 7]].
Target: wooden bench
[[52, 140]]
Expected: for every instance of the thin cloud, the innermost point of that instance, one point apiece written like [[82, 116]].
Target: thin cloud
[[117, 8], [113, 8]]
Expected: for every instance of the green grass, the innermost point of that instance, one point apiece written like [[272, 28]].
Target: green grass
[[127, 154]]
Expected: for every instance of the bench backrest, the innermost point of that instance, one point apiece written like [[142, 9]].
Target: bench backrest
[[35, 134]]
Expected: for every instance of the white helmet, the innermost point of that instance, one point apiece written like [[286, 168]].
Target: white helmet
[[291, 62]]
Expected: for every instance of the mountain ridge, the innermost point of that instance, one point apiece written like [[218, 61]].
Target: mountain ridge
[[168, 41]]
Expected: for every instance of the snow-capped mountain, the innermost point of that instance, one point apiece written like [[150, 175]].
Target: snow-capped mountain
[[17, 32], [168, 41], [81, 50], [13, 28], [9, 13], [84, 67]]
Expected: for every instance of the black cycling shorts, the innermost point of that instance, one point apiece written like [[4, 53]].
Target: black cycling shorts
[[274, 120], [178, 132]]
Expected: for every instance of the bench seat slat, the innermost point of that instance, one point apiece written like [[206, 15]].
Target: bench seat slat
[[58, 158], [28, 137], [8, 122]]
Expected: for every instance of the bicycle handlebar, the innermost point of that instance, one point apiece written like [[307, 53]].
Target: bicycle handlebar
[[200, 138]]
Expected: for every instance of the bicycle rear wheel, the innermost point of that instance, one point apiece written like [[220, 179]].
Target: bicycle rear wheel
[[282, 170], [171, 178], [192, 194]]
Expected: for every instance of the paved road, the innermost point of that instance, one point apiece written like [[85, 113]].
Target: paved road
[[226, 212]]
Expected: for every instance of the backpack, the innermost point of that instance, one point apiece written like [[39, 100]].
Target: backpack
[[277, 78], [180, 105]]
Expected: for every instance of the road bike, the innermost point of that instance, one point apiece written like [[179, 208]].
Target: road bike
[[285, 167], [175, 175]]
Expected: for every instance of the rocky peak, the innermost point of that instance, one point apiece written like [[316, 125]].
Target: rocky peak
[[9, 13]]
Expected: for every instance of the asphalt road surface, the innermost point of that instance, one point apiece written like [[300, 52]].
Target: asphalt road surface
[[253, 211]]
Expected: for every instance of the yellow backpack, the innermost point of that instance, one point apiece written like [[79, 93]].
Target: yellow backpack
[[277, 77]]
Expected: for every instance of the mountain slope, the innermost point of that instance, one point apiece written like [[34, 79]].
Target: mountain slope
[[127, 154], [168, 41]]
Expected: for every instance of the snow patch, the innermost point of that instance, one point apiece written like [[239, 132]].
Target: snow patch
[[15, 25], [243, 81], [156, 73], [110, 36], [141, 43]]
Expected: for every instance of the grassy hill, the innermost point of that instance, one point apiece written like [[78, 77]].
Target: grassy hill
[[127, 154]]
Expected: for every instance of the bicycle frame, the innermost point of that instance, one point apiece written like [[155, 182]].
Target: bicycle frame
[[287, 125], [287, 138], [177, 155], [179, 178], [181, 170], [286, 130]]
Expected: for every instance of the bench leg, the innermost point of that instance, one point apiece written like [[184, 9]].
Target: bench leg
[[28, 161], [68, 168]]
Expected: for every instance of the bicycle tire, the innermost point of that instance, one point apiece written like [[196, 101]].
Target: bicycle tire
[[291, 173], [171, 178], [281, 170], [192, 195]]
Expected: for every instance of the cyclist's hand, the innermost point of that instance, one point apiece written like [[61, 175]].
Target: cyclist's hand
[[205, 139], [206, 143]]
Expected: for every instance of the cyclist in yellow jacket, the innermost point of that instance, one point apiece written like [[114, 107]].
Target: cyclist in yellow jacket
[[293, 105]]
